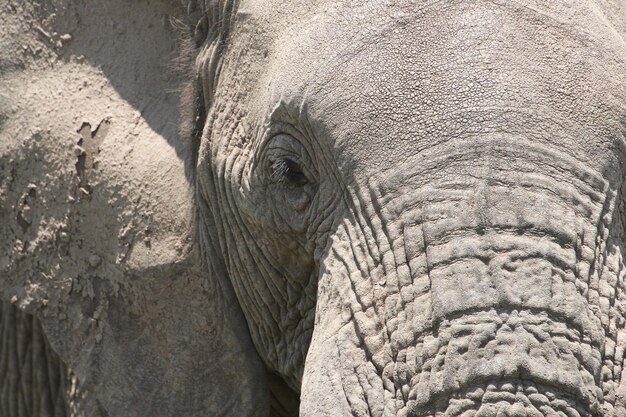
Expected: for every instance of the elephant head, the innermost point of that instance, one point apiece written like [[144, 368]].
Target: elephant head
[[399, 209], [419, 206]]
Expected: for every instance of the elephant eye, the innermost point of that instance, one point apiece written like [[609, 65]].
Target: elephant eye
[[288, 171]]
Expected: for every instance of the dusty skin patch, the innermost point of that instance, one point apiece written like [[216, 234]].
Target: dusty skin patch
[[96, 208]]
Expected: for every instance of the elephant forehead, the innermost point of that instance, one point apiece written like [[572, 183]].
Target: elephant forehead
[[405, 77]]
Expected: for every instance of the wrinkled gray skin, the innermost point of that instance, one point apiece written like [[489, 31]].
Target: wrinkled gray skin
[[400, 209]]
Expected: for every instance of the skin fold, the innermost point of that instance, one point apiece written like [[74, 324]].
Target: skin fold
[[373, 209]]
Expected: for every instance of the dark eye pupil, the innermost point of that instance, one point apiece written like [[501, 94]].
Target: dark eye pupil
[[287, 170]]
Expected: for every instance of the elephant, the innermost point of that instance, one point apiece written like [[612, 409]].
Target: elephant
[[359, 208]]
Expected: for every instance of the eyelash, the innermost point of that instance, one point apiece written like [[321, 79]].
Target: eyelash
[[286, 170]]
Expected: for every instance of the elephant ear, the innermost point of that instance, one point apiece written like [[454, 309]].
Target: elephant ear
[[98, 220]]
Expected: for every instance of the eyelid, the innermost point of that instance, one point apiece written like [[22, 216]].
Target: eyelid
[[272, 161], [284, 145], [274, 130]]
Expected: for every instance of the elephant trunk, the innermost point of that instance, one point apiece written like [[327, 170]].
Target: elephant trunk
[[494, 291]]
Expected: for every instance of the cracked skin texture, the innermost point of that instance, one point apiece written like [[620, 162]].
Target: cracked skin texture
[[403, 209]]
